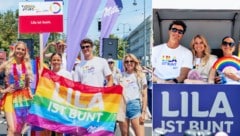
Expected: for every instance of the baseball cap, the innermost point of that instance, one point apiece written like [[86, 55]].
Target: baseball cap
[[110, 60]]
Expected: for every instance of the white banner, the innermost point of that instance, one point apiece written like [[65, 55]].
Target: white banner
[[40, 8]]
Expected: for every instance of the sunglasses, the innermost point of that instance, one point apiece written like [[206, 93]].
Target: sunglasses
[[231, 44], [128, 61], [110, 62], [177, 30], [83, 47]]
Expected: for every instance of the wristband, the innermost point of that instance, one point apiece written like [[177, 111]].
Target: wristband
[[175, 80]]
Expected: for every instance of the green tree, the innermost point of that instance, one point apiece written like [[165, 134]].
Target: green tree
[[8, 29]]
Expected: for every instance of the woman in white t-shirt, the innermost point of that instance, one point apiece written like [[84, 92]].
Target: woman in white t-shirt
[[56, 62], [135, 95], [202, 61]]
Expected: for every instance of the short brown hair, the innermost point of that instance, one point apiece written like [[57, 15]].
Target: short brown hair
[[86, 40]]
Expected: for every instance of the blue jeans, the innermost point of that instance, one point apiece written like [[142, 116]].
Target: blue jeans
[[133, 109]]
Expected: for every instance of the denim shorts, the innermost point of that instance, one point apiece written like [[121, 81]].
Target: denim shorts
[[133, 109]]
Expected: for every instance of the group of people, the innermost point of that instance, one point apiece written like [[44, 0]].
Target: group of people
[[92, 70], [174, 63]]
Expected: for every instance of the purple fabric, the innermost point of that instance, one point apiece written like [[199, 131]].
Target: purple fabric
[[80, 16], [109, 18], [45, 38]]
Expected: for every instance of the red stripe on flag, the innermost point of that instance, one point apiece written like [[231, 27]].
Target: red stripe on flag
[[80, 87]]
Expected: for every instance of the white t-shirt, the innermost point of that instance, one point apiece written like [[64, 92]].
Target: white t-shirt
[[131, 87], [205, 69], [64, 60], [168, 62], [92, 72], [65, 74], [116, 75]]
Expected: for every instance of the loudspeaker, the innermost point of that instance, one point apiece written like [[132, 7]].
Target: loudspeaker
[[30, 46], [110, 47]]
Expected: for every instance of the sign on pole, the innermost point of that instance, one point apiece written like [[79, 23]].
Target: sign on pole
[[39, 17]]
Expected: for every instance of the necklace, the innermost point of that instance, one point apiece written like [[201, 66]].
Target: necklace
[[19, 79]]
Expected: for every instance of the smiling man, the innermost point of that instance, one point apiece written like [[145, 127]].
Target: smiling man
[[92, 70], [172, 61]]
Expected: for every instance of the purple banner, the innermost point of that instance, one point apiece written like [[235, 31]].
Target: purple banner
[[177, 108], [80, 16], [45, 38], [109, 18]]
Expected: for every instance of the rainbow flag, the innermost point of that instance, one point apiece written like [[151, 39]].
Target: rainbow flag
[[225, 63], [65, 106]]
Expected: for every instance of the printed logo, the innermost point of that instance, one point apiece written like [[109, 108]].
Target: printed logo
[[55, 7]]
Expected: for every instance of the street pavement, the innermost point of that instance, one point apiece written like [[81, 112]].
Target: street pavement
[[148, 128]]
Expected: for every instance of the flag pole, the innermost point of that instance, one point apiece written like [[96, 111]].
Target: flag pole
[[41, 51]]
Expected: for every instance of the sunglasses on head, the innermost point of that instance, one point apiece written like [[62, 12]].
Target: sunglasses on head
[[231, 44], [177, 30], [128, 61], [83, 47]]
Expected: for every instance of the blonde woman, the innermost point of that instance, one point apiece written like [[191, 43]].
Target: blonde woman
[[135, 95], [17, 98], [202, 61]]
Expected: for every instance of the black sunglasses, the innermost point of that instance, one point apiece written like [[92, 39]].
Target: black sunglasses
[[83, 47], [110, 62], [231, 44], [177, 30], [127, 61]]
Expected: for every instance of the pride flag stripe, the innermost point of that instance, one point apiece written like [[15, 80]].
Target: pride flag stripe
[[42, 105], [76, 86], [42, 122]]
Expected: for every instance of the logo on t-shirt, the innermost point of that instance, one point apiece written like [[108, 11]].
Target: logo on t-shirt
[[88, 69], [169, 60]]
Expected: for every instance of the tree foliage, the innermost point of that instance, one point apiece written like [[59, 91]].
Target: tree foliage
[[8, 29]]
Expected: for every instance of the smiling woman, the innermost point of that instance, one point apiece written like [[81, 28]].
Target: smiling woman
[[17, 98]]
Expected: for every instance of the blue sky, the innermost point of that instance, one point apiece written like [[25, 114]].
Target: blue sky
[[130, 15]]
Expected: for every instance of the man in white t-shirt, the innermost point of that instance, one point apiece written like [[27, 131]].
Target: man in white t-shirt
[[172, 61], [92, 70]]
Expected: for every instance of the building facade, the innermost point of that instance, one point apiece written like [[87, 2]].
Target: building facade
[[139, 38]]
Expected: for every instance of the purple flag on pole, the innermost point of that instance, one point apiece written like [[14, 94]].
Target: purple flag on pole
[[80, 16], [110, 14], [45, 38]]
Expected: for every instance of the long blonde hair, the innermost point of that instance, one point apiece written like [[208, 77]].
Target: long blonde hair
[[206, 53], [26, 60], [137, 68]]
